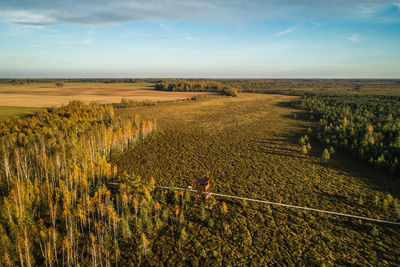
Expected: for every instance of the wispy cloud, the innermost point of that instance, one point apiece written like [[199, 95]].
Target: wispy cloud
[[284, 32], [83, 40], [355, 38], [27, 17], [89, 37], [103, 12], [147, 36], [157, 37]]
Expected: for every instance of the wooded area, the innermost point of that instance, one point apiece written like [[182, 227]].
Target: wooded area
[[56, 208], [200, 86], [368, 126]]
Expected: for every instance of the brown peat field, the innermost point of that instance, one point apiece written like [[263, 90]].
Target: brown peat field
[[249, 147], [48, 94]]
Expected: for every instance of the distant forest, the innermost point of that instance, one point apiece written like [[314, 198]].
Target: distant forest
[[78, 80], [196, 86]]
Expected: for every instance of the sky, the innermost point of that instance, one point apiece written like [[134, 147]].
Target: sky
[[200, 38]]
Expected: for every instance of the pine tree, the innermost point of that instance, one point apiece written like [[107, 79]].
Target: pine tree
[[302, 141], [375, 231], [203, 214], [126, 231], [183, 237], [181, 218], [308, 147], [145, 244], [325, 155]]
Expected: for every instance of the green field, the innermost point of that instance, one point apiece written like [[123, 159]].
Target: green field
[[249, 147], [7, 112]]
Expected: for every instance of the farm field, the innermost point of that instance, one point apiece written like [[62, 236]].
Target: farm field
[[249, 147], [48, 94]]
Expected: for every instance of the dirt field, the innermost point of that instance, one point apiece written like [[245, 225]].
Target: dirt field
[[47, 94]]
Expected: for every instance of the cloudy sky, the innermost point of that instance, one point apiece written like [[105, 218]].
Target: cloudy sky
[[200, 38]]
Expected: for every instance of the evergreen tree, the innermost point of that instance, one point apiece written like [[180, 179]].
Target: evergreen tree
[[183, 237], [325, 155]]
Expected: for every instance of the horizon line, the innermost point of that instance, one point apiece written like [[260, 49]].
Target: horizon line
[[219, 78]]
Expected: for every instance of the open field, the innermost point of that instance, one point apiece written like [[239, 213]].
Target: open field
[[249, 147], [48, 94], [9, 111]]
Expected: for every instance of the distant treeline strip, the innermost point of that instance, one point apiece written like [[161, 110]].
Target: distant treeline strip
[[198, 86]]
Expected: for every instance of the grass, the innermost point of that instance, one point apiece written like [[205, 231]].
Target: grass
[[7, 112], [249, 147]]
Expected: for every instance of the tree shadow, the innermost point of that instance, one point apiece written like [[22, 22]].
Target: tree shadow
[[280, 154], [272, 145], [377, 179]]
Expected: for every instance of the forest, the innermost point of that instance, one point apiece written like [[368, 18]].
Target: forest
[[299, 86], [366, 125], [196, 86], [56, 205]]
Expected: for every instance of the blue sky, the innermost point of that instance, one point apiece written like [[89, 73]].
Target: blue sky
[[200, 38]]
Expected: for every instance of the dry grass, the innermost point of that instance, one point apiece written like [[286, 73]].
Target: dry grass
[[47, 94]]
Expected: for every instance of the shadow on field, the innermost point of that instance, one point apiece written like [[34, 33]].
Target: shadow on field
[[378, 179], [297, 114], [269, 144], [279, 154]]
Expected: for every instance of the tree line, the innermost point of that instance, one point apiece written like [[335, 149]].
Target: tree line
[[78, 80], [196, 86]]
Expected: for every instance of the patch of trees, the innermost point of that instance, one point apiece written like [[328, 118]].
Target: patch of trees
[[59, 84], [367, 125], [56, 207], [130, 103], [196, 86]]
